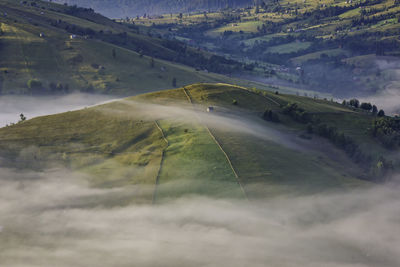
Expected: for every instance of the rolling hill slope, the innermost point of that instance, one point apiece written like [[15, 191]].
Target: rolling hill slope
[[167, 143], [51, 48]]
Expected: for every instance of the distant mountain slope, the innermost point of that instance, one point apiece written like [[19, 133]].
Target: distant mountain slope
[[52, 48], [168, 142], [341, 47], [132, 8]]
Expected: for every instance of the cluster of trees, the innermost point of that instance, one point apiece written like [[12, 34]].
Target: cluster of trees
[[74, 10], [340, 140], [378, 169], [364, 106], [297, 113], [270, 115], [387, 130]]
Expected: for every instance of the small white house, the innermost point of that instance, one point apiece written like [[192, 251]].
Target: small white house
[[72, 36], [210, 109], [41, 35]]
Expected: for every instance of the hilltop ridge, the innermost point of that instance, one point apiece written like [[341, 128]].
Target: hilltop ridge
[[253, 144]]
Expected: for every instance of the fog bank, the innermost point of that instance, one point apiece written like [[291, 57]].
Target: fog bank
[[388, 99], [32, 106], [43, 225]]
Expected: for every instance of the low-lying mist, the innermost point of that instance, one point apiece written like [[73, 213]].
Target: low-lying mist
[[32, 106], [221, 119], [54, 218], [49, 218]]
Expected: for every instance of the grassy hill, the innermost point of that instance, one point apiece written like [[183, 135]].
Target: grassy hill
[[170, 145], [38, 54]]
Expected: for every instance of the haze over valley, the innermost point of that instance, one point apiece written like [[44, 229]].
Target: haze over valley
[[200, 133]]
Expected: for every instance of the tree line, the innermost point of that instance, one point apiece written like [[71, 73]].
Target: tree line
[[123, 8], [385, 129]]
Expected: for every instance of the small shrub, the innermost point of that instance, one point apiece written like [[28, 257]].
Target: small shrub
[[366, 106]]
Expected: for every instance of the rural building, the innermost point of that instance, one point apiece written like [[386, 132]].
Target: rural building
[[72, 36], [210, 109], [41, 35]]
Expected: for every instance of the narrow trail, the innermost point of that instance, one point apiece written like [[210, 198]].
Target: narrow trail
[[161, 162], [220, 147]]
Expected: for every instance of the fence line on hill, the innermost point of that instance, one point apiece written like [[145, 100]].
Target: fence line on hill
[[161, 162], [219, 145], [248, 90]]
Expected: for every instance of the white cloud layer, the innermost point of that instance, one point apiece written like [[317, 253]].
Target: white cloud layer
[[52, 218]]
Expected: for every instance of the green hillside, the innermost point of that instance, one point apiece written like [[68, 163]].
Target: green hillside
[[51, 48], [168, 143], [328, 39]]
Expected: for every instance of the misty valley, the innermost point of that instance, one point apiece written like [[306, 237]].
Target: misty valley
[[200, 133]]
